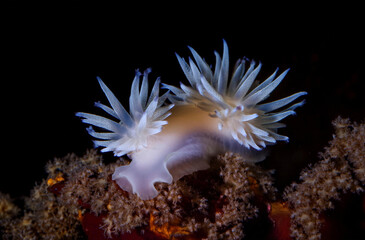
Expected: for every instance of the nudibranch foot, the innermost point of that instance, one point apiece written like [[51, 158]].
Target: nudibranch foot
[[193, 152], [136, 179]]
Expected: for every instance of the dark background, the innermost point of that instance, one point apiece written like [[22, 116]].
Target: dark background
[[52, 55]]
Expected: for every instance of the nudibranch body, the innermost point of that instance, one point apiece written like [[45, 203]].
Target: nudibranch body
[[215, 114]]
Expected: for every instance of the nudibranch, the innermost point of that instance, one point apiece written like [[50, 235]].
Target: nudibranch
[[215, 114]]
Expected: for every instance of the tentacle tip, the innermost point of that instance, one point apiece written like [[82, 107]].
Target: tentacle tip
[[191, 49], [137, 72], [90, 129], [224, 42], [177, 55], [164, 86], [147, 71], [286, 70]]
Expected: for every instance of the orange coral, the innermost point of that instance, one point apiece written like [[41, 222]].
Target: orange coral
[[80, 216], [57, 179], [166, 230]]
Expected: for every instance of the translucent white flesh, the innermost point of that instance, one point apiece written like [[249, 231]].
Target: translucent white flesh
[[184, 146]]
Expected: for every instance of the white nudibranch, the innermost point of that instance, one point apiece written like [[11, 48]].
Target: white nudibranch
[[215, 114]]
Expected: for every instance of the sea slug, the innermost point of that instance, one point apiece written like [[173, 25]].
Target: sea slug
[[216, 113]]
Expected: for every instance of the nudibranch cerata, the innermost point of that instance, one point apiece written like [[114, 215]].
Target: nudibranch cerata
[[215, 114]]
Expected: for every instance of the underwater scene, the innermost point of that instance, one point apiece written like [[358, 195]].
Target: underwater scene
[[181, 127]]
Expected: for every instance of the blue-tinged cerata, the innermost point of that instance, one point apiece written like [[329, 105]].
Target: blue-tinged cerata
[[218, 112]]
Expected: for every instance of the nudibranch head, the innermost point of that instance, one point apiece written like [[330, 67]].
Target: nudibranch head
[[234, 101], [132, 131]]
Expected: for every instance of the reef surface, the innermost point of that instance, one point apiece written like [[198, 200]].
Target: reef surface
[[231, 200]]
